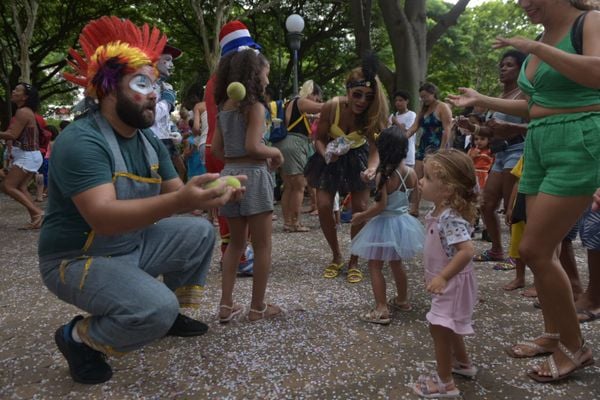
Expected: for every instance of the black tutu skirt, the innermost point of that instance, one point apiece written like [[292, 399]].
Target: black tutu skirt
[[342, 175]]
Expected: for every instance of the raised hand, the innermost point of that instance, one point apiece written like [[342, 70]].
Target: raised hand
[[467, 98], [522, 44]]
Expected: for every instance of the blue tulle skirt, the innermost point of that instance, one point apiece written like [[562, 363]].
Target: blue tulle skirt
[[389, 237]]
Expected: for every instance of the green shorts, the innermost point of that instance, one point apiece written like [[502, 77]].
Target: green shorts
[[296, 149], [562, 155]]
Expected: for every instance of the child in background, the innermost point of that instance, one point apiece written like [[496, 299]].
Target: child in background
[[449, 182], [515, 218], [192, 155], [482, 158], [239, 141], [391, 233]]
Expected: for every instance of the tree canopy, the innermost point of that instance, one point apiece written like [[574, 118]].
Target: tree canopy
[[446, 43]]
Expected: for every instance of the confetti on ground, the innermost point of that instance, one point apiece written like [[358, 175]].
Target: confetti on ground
[[318, 350]]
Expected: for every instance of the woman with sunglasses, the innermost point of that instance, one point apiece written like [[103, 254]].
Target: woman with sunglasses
[[353, 119], [435, 121], [26, 156]]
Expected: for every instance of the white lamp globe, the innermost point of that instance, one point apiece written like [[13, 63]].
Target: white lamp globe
[[294, 23]]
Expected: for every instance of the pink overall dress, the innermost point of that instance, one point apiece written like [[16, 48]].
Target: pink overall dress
[[452, 309]]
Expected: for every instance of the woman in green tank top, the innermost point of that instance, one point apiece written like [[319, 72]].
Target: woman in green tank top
[[561, 165]]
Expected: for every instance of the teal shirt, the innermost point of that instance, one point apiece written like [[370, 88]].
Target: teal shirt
[[81, 159]]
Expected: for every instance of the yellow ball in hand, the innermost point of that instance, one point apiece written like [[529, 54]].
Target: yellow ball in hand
[[231, 181], [236, 91]]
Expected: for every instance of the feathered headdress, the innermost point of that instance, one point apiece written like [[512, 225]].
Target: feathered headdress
[[112, 47], [369, 66]]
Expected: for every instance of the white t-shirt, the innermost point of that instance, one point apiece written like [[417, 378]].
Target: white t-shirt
[[408, 118]]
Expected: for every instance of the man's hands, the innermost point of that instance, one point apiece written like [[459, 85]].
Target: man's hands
[[194, 196]]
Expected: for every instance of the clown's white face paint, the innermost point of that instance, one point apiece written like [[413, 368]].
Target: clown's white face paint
[[142, 84], [165, 65]]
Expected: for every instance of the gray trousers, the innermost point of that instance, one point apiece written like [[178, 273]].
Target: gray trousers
[[129, 307]]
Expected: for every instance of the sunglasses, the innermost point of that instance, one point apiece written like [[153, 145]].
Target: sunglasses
[[358, 95]]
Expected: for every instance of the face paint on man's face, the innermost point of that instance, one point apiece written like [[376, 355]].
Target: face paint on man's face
[[142, 84], [165, 65]]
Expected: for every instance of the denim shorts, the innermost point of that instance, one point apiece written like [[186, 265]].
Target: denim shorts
[[562, 155], [29, 161], [508, 158]]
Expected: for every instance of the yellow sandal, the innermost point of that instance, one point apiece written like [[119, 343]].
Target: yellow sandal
[[354, 275], [333, 270]]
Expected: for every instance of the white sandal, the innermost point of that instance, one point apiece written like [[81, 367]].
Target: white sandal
[[234, 311], [263, 313], [422, 390], [555, 374], [465, 370]]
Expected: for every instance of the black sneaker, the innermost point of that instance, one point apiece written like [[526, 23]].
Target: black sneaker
[[186, 326], [86, 365]]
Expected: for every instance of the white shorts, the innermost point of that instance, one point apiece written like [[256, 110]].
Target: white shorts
[[29, 161]]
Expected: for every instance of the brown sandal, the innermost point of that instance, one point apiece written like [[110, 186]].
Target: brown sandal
[[515, 351], [576, 359]]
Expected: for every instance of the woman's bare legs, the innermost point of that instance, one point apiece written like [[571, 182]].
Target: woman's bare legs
[[549, 219], [567, 261], [360, 201], [590, 300], [498, 186], [325, 205], [15, 185], [291, 200]]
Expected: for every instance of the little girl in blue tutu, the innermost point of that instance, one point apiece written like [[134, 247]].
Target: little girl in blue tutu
[[391, 233]]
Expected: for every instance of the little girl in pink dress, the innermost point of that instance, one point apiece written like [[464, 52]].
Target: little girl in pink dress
[[449, 182]]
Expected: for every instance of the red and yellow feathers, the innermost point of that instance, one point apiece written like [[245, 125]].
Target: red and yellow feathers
[[112, 47]]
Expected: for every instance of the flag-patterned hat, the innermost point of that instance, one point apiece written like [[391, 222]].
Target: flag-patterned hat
[[234, 35]]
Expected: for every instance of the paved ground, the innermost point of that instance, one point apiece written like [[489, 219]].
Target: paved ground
[[320, 350]]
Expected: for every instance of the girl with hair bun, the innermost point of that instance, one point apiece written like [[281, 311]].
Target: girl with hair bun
[[391, 234], [353, 119]]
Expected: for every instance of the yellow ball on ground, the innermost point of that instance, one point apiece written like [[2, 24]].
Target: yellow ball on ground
[[236, 91]]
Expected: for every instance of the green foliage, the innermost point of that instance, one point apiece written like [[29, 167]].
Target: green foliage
[[464, 56]]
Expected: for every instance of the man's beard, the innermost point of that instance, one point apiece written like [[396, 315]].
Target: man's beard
[[134, 114]]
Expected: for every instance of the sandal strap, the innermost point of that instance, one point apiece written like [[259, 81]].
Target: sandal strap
[[553, 367], [532, 345], [573, 357], [548, 335], [261, 312]]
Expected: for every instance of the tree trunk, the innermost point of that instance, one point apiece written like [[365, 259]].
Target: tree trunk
[[411, 43], [25, 35]]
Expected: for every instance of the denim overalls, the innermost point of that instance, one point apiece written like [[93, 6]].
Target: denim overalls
[[114, 277]]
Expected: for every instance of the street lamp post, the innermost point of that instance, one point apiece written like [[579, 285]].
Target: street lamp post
[[294, 25]]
